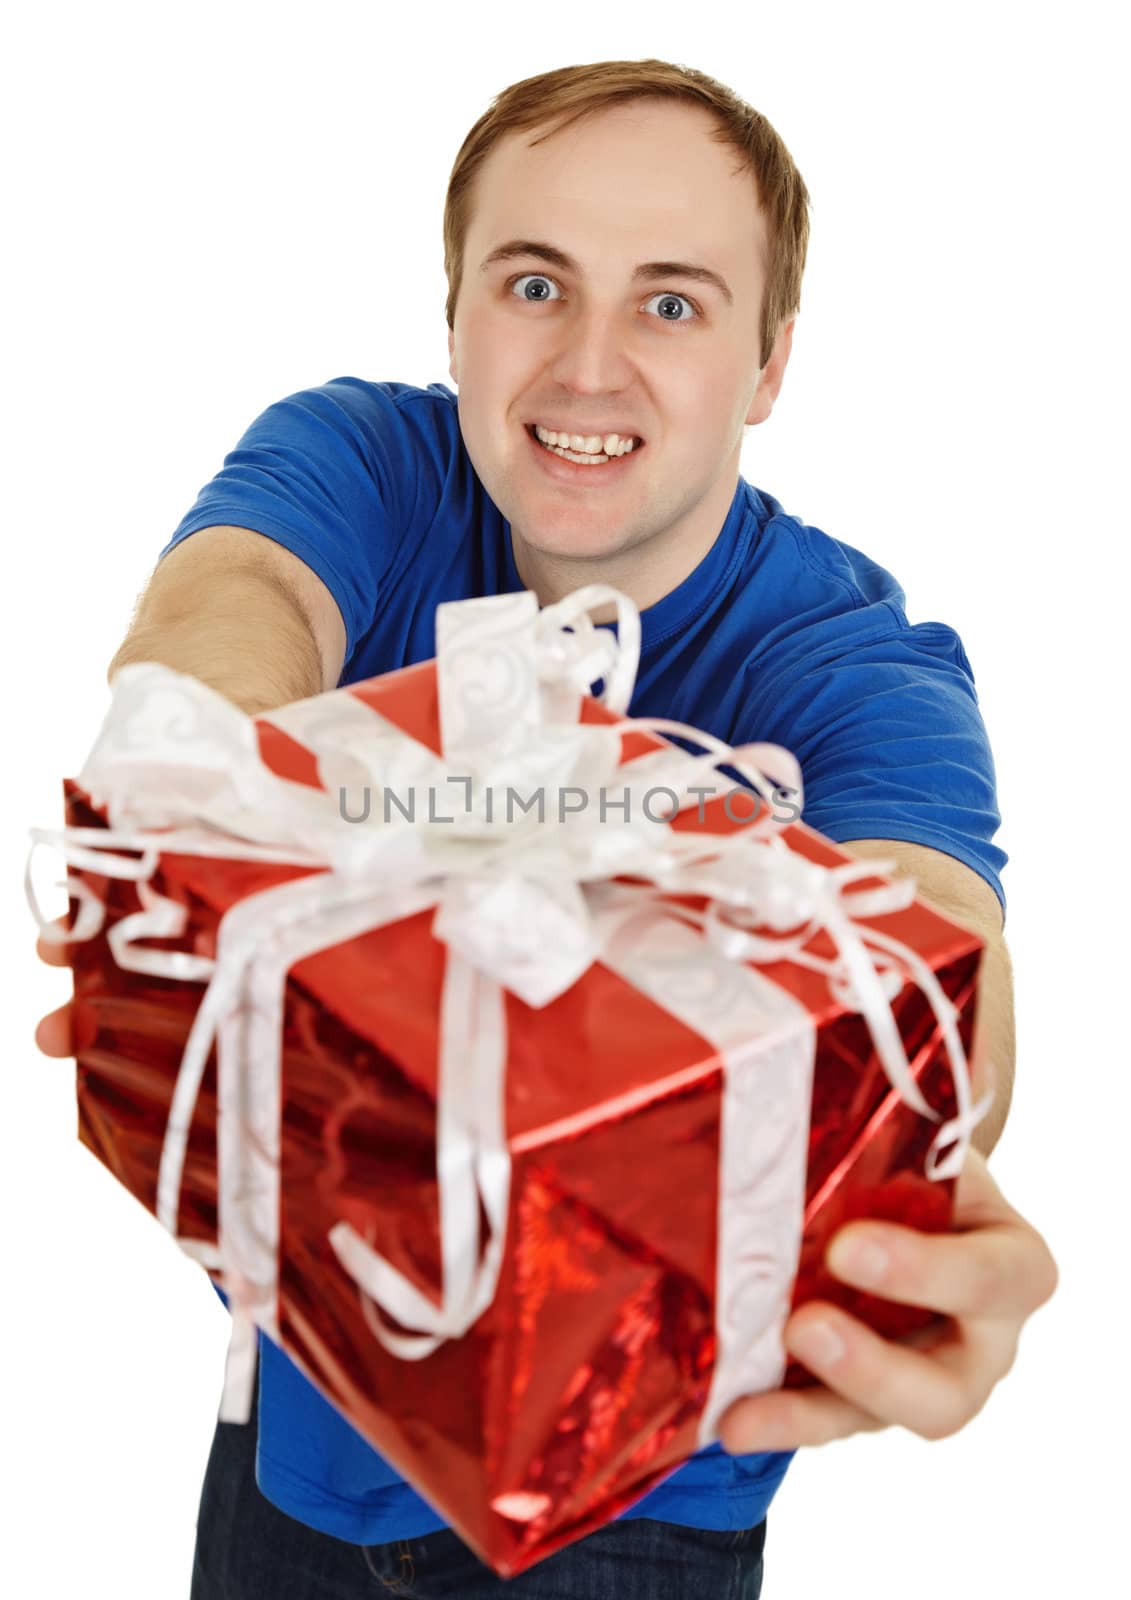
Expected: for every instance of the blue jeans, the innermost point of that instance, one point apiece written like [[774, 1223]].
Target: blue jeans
[[246, 1549]]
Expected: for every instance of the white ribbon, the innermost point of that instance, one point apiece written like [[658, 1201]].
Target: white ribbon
[[521, 904]]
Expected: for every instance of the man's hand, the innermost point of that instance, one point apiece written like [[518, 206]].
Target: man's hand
[[53, 1033], [988, 1277]]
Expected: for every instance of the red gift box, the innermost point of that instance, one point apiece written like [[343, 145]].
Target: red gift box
[[641, 1250]]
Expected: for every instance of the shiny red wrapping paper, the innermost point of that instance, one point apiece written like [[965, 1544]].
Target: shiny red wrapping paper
[[581, 1386]]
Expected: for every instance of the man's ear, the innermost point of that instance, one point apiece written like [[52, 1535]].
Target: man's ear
[[770, 378], [452, 356]]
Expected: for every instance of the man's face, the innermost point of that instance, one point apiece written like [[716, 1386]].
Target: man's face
[[596, 347]]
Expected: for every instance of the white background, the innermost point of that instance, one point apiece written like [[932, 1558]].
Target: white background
[[210, 206]]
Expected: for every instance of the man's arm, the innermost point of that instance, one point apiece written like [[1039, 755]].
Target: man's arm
[[244, 615], [959, 891]]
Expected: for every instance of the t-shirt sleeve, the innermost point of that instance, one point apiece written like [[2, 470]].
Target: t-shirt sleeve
[[892, 745], [321, 472]]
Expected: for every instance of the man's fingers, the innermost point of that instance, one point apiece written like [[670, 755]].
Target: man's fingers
[[54, 954], [1002, 1271], [994, 1265], [790, 1419], [54, 1033], [931, 1396], [49, 950]]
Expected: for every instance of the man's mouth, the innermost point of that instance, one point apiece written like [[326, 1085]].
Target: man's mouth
[[586, 449]]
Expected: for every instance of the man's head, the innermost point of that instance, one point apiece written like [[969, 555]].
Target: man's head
[[621, 176]]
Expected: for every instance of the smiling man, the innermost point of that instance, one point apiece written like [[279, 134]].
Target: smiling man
[[626, 315], [624, 249]]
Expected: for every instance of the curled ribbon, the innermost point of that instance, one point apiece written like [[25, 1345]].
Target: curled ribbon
[[521, 906]]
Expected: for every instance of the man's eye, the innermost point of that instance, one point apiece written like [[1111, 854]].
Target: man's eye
[[539, 279], [667, 299]]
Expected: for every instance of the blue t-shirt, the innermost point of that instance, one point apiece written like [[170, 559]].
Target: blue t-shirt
[[781, 634]]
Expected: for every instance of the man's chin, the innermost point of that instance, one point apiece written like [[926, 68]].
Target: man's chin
[[575, 544], [589, 532]]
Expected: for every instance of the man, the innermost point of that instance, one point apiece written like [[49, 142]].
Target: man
[[624, 247]]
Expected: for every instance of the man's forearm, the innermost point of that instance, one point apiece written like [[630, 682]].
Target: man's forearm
[[994, 1042], [249, 641]]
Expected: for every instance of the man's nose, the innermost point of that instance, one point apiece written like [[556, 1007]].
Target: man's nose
[[593, 355]]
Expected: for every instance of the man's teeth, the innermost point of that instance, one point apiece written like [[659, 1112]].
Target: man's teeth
[[589, 447]]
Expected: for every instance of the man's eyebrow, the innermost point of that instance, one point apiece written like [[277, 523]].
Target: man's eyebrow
[[647, 272]]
